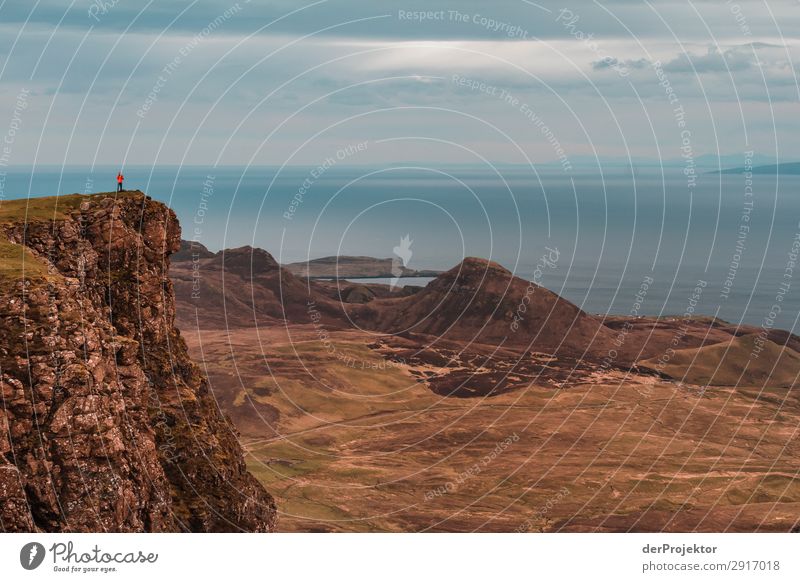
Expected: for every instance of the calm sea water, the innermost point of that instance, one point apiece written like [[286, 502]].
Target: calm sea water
[[610, 232]]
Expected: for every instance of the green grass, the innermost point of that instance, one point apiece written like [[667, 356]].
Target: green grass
[[356, 392], [50, 207], [271, 472], [17, 262]]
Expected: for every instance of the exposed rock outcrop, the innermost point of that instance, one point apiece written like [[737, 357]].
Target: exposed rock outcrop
[[191, 251], [106, 423]]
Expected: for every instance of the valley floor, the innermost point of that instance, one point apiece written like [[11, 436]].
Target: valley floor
[[349, 433]]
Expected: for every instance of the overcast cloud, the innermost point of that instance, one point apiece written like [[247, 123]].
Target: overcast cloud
[[273, 82]]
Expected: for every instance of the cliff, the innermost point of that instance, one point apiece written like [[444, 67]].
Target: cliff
[[107, 424]]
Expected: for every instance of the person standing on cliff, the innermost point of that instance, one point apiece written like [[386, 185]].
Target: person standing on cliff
[[120, 178]]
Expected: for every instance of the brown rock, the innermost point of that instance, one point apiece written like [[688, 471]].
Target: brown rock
[[108, 424]]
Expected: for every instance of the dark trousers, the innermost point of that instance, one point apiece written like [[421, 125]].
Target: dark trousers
[[119, 186]]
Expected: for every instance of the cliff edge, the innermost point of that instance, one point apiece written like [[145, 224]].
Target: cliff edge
[[106, 423]]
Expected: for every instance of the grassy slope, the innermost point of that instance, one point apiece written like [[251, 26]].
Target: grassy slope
[[365, 455], [16, 261], [731, 364]]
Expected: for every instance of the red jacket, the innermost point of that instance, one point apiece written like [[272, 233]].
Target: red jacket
[[120, 178]]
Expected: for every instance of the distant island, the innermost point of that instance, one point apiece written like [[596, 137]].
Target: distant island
[[787, 169], [347, 267]]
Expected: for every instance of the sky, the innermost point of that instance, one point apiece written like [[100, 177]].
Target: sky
[[117, 82]]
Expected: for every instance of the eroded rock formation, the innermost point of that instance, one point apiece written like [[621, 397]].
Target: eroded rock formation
[[106, 423]]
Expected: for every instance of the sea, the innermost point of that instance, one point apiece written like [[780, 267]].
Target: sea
[[627, 241]]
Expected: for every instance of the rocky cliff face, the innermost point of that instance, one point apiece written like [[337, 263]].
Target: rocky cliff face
[[106, 423]]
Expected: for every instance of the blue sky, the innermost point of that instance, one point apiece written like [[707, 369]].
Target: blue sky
[[279, 82]]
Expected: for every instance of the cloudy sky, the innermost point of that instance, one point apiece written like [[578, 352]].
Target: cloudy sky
[[287, 82]]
